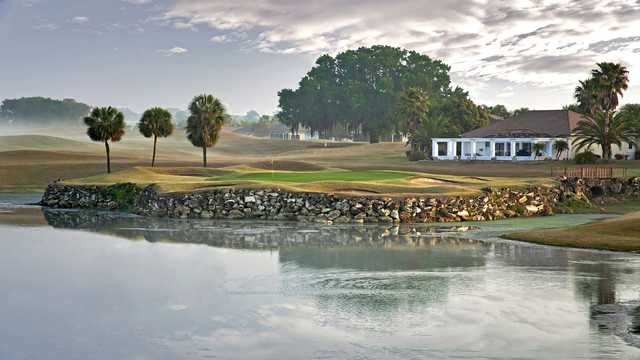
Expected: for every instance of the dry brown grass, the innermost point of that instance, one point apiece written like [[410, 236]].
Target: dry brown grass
[[32, 161], [619, 234]]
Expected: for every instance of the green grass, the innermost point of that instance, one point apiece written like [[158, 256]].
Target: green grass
[[343, 181], [32, 161], [316, 176]]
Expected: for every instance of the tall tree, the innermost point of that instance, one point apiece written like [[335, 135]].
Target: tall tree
[[519, 111], [604, 129], [587, 94], [434, 125], [105, 124], [612, 80], [205, 122], [412, 110], [461, 113], [359, 90], [155, 122], [499, 110], [631, 114]]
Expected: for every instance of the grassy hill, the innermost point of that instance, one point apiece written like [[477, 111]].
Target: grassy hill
[[30, 161], [332, 180], [40, 142]]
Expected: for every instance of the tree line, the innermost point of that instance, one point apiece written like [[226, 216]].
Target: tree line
[[204, 124], [361, 91], [42, 111]]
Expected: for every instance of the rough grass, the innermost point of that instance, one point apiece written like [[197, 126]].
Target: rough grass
[[36, 142], [317, 176], [620, 234], [32, 161]]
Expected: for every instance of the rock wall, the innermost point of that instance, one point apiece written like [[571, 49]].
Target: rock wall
[[274, 204], [595, 189]]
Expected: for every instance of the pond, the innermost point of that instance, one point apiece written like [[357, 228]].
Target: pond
[[99, 285]]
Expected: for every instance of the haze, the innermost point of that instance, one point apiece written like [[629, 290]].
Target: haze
[[142, 53]]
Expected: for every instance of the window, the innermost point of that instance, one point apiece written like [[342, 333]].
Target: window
[[630, 146], [524, 149], [442, 148], [503, 149]]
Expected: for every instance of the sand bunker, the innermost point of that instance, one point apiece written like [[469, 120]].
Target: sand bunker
[[425, 181]]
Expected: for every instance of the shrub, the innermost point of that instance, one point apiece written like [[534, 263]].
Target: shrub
[[619, 157], [586, 157], [416, 155]]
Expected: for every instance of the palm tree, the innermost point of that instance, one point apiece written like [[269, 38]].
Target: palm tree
[[412, 109], [155, 122], [604, 129], [613, 80], [433, 126], [105, 124], [587, 94], [205, 122], [560, 146], [538, 148]]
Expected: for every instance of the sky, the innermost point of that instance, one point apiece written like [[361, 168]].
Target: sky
[[143, 53]]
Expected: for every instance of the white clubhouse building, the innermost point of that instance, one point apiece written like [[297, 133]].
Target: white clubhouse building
[[513, 139]]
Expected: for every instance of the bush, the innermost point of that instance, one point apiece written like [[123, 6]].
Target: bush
[[416, 155], [586, 157], [620, 157]]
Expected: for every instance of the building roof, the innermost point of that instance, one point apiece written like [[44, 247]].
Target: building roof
[[533, 123]]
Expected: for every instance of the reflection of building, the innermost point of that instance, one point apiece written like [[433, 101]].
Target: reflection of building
[[514, 139]]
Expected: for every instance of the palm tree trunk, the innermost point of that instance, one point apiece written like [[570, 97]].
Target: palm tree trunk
[[153, 159], [106, 146], [204, 156], [606, 150], [205, 139]]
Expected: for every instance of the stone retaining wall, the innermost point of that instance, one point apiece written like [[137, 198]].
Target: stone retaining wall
[[274, 204]]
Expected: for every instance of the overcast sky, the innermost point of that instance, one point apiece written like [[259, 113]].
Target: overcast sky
[[141, 53]]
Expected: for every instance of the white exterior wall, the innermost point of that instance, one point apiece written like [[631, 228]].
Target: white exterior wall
[[485, 148], [476, 149], [624, 150]]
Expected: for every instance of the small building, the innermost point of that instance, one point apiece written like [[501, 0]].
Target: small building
[[282, 132], [514, 139]]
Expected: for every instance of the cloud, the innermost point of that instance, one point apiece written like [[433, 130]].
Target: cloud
[[184, 25], [219, 39], [541, 43], [80, 20], [173, 51]]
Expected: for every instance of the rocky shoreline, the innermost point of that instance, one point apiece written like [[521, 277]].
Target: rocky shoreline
[[274, 204]]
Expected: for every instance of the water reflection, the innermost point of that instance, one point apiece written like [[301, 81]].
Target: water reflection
[[260, 235], [635, 322], [260, 289]]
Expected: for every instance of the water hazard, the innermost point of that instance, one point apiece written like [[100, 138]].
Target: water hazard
[[97, 285]]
